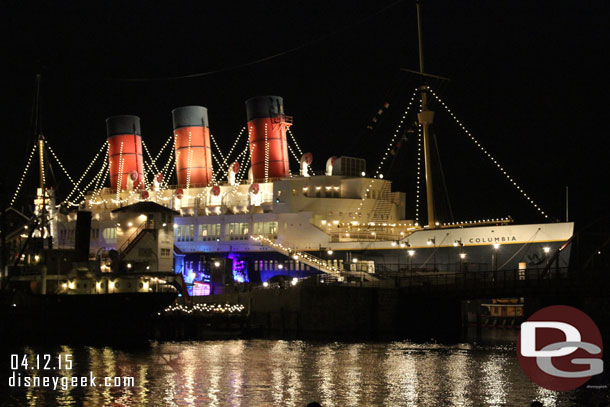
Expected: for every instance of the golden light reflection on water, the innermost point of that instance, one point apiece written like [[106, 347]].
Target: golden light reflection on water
[[457, 371], [495, 383], [293, 373], [324, 371]]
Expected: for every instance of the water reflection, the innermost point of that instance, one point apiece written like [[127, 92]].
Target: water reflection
[[293, 373]]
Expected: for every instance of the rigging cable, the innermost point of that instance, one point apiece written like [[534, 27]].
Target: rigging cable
[[267, 58]]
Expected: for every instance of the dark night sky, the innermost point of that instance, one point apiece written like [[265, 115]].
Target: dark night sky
[[527, 78]]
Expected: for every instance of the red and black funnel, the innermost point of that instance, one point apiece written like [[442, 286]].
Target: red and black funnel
[[267, 127], [193, 152], [125, 151]]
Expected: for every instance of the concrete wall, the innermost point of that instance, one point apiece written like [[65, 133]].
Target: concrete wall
[[346, 310]]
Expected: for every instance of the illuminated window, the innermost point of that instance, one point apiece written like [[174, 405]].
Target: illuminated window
[[109, 234], [237, 231]]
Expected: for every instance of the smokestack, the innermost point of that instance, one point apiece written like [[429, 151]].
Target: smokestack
[[82, 236], [267, 127], [193, 152], [125, 151]]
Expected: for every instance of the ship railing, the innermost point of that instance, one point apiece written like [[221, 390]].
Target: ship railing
[[488, 283], [348, 236], [484, 279]]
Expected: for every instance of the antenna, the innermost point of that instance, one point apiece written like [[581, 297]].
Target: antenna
[[420, 38]]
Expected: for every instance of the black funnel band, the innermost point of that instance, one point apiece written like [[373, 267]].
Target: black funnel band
[[190, 116], [123, 125], [264, 106]]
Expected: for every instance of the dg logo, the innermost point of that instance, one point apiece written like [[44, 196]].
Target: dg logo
[[560, 348]]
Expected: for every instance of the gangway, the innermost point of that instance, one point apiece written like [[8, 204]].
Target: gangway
[[310, 260]]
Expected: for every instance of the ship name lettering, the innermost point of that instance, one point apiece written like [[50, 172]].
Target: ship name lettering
[[497, 239]]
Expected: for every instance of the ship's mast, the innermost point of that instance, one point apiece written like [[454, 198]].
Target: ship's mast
[[425, 118], [41, 157]]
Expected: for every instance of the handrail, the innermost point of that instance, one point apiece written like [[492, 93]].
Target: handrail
[[303, 257], [133, 236]]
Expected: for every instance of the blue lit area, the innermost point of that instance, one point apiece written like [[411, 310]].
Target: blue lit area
[[239, 268], [268, 272], [195, 272]]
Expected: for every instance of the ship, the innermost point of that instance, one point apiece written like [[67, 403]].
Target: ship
[[246, 219], [253, 221]]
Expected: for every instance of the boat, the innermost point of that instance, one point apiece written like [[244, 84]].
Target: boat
[[247, 219], [49, 292]]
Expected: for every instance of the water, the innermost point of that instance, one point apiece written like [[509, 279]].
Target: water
[[262, 372]]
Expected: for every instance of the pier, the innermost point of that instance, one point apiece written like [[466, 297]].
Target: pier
[[429, 306]]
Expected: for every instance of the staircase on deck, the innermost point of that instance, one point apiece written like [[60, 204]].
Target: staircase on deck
[[312, 261], [133, 240], [382, 209]]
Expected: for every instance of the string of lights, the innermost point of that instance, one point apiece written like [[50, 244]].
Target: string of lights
[[378, 173], [170, 138], [205, 309], [239, 157], [190, 164], [102, 149], [294, 140], [266, 156], [226, 161], [488, 154], [105, 170], [120, 174], [419, 171], [96, 179], [42, 166], [63, 169], [23, 175], [242, 169], [148, 170], [166, 167], [320, 264], [293, 154], [153, 164], [170, 173]]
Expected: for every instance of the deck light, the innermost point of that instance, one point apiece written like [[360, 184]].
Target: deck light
[[411, 253], [546, 249], [330, 252]]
